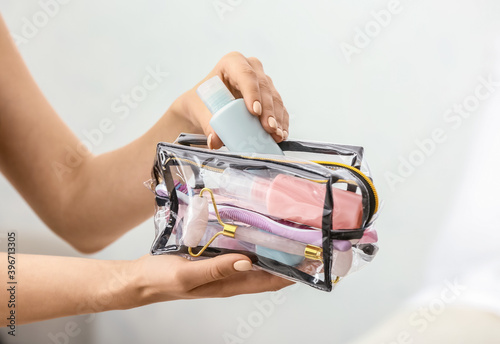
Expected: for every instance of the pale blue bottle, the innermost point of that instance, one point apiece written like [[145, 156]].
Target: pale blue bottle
[[239, 130]]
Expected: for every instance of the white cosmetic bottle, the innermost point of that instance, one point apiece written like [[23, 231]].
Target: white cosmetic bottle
[[239, 130]]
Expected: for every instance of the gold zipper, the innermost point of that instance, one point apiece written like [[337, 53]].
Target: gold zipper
[[357, 171]]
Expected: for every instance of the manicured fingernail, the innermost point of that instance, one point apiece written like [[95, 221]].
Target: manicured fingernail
[[209, 141], [242, 265], [257, 108], [285, 134], [279, 132], [272, 122]]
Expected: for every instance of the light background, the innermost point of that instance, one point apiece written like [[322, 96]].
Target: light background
[[392, 93]]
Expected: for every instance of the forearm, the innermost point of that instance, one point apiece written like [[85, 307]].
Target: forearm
[[50, 287], [88, 200], [116, 179]]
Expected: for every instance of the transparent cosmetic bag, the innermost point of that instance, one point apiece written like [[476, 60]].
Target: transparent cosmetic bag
[[306, 216]]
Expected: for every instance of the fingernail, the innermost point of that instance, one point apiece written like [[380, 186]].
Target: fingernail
[[279, 132], [272, 122], [242, 265], [257, 108], [209, 141], [285, 134]]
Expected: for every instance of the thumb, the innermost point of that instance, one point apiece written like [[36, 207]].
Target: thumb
[[202, 116], [213, 269], [213, 140]]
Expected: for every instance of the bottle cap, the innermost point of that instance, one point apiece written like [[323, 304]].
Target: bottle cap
[[214, 94]]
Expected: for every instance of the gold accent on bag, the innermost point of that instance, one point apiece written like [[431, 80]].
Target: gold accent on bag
[[313, 252], [227, 229]]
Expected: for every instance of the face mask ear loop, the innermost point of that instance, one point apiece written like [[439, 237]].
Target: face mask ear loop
[[227, 229]]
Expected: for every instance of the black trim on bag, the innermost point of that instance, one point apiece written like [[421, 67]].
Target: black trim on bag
[[326, 227], [213, 159]]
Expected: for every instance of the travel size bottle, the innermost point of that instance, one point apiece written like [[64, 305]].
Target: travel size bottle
[[239, 130]]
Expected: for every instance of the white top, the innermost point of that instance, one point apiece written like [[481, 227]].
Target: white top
[[214, 94]]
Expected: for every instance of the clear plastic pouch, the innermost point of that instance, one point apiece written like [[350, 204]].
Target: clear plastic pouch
[[306, 216]]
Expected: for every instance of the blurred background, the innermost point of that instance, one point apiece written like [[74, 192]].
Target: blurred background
[[380, 74]]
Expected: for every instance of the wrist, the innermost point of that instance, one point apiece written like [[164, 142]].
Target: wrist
[[125, 285], [179, 111], [191, 107]]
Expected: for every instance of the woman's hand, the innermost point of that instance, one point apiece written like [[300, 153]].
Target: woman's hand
[[168, 277], [54, 287], [245, 78]]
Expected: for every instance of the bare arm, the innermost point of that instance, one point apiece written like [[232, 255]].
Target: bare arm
[[93, 202], [50, 287]]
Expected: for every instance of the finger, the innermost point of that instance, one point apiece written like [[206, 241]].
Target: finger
[[268, 118], [272, 117], [242, 77], [250, 282], [272, 109], [278, 114], [279, 111], [203, 116], [286, 124], [209, 270], [213, 140]]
